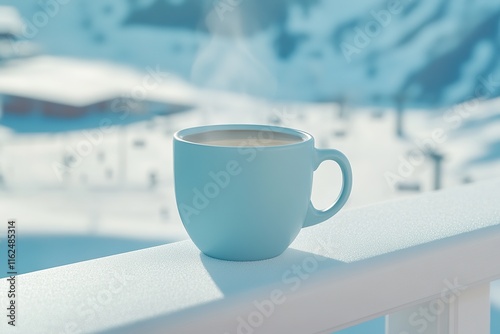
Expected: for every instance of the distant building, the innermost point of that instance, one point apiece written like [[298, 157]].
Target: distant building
[[69, 88], [12, 44], [10, 23]]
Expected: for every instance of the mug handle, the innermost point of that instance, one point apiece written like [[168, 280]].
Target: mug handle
[[315, 216]]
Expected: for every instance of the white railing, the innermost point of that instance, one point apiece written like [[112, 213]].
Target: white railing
[[425, 261]]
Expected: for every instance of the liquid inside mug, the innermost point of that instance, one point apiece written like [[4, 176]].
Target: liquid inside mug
[[244, 191]]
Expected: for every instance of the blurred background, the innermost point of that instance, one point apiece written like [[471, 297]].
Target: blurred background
[[92, 91]]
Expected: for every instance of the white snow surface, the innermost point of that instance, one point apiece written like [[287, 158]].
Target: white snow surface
[[89, 200]]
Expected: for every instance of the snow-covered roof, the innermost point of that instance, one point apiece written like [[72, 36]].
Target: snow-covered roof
[[174, 92], [78, 82], [10, 49], [10, 20]]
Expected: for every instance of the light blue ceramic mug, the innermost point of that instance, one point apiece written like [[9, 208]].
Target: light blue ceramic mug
[[244, 191]]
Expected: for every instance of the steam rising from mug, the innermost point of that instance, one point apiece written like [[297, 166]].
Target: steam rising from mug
[[227, 59]]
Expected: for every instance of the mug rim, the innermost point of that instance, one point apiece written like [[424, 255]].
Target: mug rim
[[181, 134]]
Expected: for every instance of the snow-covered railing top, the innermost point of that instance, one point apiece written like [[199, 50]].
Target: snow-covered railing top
[[361, 264]]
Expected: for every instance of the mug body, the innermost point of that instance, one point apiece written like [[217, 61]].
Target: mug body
[[244, 202]]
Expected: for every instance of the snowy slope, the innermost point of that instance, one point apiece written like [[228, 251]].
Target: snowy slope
[[433, 52], [120, 166]]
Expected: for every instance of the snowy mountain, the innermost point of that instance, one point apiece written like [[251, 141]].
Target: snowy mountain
[[426, 52]]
